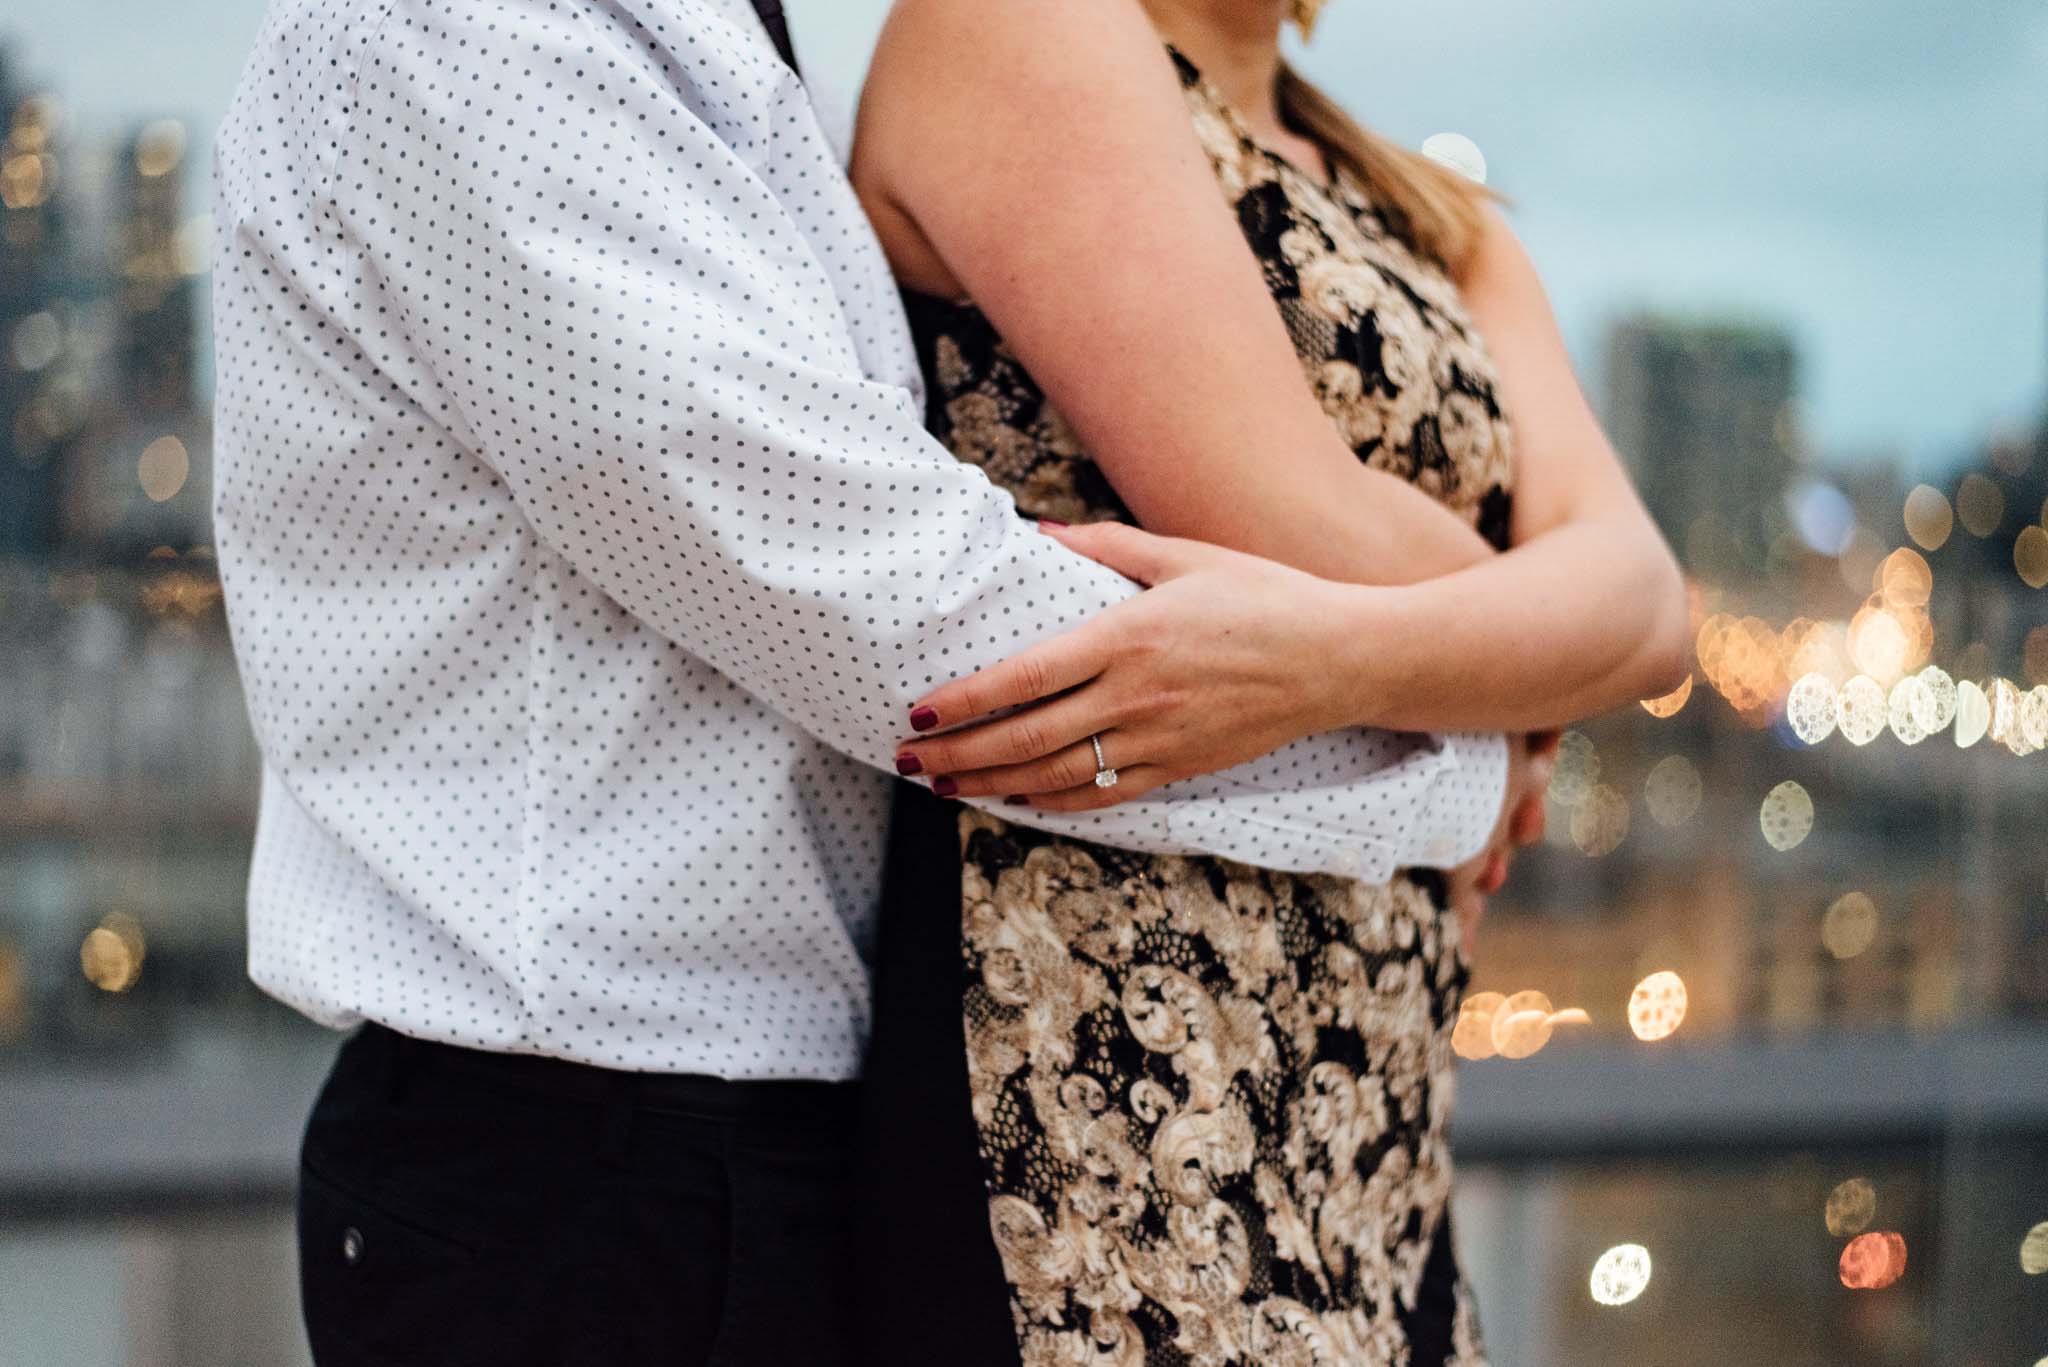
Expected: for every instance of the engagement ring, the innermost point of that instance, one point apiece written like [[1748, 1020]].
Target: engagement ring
[[1105, 777]]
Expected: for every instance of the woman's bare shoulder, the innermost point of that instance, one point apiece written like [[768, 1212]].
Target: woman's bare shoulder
[[941, 61], [994, 34], [957, 86]]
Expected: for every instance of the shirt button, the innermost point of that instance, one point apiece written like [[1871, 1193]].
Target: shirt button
[[352, 1246]]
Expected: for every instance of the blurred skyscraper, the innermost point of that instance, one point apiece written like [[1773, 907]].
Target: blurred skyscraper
[[103, 436], [1704, 413], [154, 354], [142, 482], [33, 414]]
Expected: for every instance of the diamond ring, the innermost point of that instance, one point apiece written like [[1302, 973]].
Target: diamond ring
[[1105, 777]]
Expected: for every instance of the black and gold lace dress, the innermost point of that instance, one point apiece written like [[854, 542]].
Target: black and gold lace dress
[[1210, 1100]]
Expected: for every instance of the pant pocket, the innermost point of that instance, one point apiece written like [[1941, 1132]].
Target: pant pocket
[[381, 1288]]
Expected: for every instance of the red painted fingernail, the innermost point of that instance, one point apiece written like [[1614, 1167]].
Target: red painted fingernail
[[908, 764], [923, 718], [1017, 801], [1050, 524], [944, 787]]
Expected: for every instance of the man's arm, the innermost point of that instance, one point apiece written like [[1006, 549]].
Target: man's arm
[[585, 223]]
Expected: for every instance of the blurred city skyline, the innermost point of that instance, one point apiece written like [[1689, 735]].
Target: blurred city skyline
[[1795, 291], [1870, 178]]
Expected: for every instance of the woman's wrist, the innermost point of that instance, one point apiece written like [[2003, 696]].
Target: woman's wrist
[[1360, 620]]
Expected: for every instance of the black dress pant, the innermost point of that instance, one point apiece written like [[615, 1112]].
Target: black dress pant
[[467, 1208]]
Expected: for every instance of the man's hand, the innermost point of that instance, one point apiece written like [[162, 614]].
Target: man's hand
[[1224, 660], [1532, 759]]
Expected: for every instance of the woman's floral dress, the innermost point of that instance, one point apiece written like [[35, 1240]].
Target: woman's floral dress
[[1212, 1099]]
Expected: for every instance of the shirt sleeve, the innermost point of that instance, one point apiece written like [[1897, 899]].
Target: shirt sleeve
[[624, 251]]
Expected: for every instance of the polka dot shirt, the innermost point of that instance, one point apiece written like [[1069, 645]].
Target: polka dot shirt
[[584, 549]]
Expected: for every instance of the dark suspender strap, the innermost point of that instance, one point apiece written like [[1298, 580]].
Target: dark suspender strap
[[778, 29]]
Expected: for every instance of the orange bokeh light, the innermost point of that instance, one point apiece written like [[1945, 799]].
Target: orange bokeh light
[[1873, 1261]]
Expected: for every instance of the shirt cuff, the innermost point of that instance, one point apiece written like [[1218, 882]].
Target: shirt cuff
[[1434, 807], [1457, 813]]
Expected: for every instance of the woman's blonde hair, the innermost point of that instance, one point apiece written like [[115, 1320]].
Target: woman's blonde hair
[[1437, 211]]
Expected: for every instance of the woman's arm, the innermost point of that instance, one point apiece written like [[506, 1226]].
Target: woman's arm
[[1588, 611], [1090, 232], [1038, 158]]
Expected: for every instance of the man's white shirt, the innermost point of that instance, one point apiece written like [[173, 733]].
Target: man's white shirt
[[585, 550]]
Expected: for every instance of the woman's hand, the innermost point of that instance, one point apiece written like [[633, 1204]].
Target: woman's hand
[[1532, 760], [1222, 661]]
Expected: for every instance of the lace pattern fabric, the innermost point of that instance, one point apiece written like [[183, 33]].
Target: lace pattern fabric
[[1212, 1099]]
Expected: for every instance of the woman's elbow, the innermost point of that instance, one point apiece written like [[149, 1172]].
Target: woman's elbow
[[1665, 658]]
